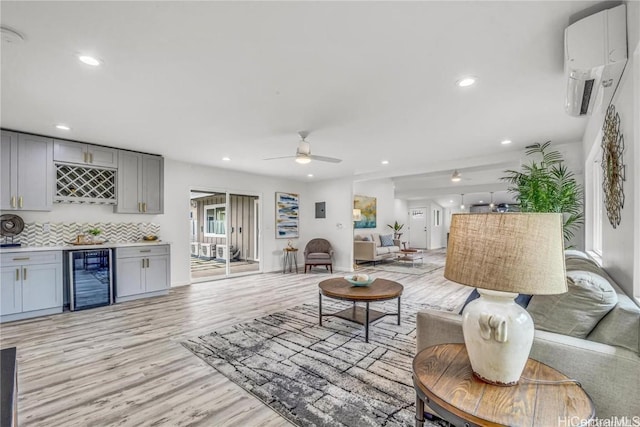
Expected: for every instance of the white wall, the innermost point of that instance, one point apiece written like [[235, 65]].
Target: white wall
[[620, 247], [337, 227], [383, 191], [180, 178], [401, 212]]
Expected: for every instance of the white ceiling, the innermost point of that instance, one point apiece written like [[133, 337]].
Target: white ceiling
[[371, 81]]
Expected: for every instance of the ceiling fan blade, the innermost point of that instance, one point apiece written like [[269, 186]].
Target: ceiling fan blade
[[324, 159], [283, 157]]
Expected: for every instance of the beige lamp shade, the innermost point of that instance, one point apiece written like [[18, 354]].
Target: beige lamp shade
[[357, 215], [509, 252]]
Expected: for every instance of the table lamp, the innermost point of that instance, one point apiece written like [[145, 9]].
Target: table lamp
[[503, 255], [357, 215]]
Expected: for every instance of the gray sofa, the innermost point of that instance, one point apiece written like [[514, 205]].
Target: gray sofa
[[369, 247], [606, 361]]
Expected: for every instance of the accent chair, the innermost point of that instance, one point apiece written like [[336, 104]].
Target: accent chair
[[318, 252]]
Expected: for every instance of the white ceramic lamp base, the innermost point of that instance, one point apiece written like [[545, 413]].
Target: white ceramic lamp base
[[498, 334]]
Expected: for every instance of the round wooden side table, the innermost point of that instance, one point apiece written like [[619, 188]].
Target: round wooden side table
[[443, 380], [290, 259]]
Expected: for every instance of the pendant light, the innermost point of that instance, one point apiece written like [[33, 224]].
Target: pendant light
[[456, 177], [462, 201], [491, 205]]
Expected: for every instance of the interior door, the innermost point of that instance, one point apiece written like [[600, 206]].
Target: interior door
[[418, 228], [437, 229]]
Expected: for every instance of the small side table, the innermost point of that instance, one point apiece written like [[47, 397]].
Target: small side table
[[290, 259], [443, 379]]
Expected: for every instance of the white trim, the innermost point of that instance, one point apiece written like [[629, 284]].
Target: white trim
[[636, 173], [593, 199]]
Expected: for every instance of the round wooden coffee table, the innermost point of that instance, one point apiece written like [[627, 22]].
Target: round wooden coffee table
[[378, 290]]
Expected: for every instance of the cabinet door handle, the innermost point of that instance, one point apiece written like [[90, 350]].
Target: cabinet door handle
[[145, 250], [84, 157], [147, 262], [139, 206], [144, 206], [13, 201], [142, 262], [24, 274], [25, 258], [17, 274], [20, 201], [90, 157]]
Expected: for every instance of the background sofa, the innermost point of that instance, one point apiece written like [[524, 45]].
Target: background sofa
[[373, 247], [605, 359]]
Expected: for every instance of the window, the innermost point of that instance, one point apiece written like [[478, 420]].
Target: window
[[214, 220], [593, 201], [596, 194]]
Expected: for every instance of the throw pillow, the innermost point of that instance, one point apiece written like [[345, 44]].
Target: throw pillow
[[578, 311], [386, 239], [366, 239]]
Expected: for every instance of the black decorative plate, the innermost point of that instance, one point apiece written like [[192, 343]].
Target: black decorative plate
[[11, 225]]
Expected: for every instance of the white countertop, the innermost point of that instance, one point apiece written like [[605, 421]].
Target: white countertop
[[70, 247]]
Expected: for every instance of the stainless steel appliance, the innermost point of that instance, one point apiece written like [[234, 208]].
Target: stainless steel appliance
[[90, 278]]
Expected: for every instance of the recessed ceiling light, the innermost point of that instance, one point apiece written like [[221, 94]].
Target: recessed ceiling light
[[89, 60], [481, 201], [310, 175], [450, 201], [226, 159], [505, 142], [466, 81], [63, 127], [385, 162]]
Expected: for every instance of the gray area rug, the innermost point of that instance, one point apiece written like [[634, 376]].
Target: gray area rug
[[407, 268], [322, 375]]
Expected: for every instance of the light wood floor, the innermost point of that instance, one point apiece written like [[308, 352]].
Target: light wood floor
[[123, 364]]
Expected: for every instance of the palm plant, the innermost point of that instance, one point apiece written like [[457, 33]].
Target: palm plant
[[548, 185], [396, 227]]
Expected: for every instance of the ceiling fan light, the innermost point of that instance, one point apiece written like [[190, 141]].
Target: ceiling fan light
[[456, 177], [303, 160]]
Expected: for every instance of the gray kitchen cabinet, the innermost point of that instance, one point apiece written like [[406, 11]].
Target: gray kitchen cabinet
[[84, 154], [140, 183], [31, 284], [142, 271], [27, 172]]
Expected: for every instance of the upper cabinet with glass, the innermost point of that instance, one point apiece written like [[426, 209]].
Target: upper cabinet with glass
[[214, 224]]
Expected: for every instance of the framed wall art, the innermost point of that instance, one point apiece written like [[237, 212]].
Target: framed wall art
[[287, 215], [367, 206]]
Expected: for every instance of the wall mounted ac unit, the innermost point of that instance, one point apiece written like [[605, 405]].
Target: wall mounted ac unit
[[595, 50]]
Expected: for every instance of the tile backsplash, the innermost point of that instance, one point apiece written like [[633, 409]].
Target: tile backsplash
[[56, 234]]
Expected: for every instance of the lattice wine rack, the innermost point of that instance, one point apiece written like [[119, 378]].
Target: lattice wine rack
[[80, 184]]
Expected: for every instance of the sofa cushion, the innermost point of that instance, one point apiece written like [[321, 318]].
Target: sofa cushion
[[376, 238], [382, 250], [576, 312], [621, 327], [386, 239]]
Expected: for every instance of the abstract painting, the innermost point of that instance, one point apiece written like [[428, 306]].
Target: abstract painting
[[367, 206], [287, 207]]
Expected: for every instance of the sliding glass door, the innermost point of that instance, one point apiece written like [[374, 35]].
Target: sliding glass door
[[225, 234]]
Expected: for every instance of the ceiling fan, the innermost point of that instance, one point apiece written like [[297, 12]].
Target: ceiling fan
[[303, 152]]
